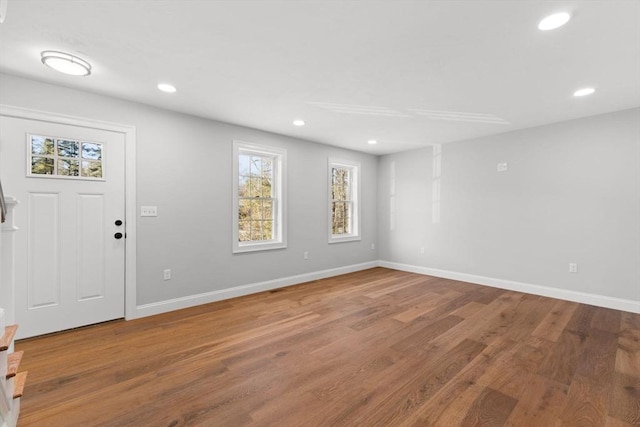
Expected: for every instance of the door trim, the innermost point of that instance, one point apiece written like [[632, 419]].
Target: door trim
[[129, 133]]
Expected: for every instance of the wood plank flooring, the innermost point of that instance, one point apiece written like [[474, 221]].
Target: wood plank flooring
[[373, 348]]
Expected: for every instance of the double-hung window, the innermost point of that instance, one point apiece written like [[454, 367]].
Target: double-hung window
[[259, 200], [344, 200]]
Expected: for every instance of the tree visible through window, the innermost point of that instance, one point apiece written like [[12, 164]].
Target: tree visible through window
[[259, 193], [343, 204]]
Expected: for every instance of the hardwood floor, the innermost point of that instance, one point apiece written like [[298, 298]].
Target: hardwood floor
[[374, 348]]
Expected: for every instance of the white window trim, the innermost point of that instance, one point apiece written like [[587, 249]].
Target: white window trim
[[355, 235], [280, 214]]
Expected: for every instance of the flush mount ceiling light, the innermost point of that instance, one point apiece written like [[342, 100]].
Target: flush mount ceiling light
[[372, 142], [66, 63], [166, 87], [299, 122], [554, 21], [584, 91]]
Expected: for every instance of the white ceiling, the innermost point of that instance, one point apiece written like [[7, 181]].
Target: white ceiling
[[407, 73]]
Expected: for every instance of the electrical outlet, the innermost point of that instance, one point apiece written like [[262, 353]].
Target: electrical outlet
[[305, 255], [167, 274], [373, 246], [573, 267], [502, 167], [148, 211], [422, 250]]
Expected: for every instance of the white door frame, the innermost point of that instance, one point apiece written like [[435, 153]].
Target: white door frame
[[129, 133]]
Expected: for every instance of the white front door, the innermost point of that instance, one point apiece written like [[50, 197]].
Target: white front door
[[70, 243]]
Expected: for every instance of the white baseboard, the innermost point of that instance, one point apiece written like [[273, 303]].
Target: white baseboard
[[564, 294], [252, 288], [222, 294]]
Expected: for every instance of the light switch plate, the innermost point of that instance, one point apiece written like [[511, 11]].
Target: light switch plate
[[148, 211]]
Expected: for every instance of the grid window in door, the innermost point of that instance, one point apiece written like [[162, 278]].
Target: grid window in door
[[64, 158], [258, 198], [343, 201]]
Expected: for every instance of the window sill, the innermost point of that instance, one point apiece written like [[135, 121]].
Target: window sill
[[256, 247], [342, 239]]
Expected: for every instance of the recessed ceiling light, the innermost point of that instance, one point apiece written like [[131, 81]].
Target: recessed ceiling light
[[372, 142], [66, 63], [584, 91], [298, 122], [166, 87], [554, 21]]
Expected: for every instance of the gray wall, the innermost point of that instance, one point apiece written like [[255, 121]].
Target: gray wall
[[184, 168], [571, 194]]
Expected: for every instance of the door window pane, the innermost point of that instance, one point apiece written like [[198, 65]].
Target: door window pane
[[92, 169], [42, 166], [42, 145], [91, 151], [67, 148], [68, 167]]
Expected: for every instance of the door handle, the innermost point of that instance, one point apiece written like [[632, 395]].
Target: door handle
[[118, 235], [118, 222]]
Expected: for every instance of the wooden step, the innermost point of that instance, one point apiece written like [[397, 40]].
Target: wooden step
[[18, 388], [7, 338], [13, 361]]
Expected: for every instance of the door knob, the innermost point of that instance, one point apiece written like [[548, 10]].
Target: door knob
[[118, 222], [118, 235]]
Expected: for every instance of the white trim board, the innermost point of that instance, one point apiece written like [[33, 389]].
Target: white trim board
[[252, 288], [129, 133], [563, 294]]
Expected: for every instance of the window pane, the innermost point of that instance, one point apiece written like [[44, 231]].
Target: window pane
[[267, 167], [341, 218], [338, 215], [255, 185], [347, 218], [68, 167], [339, 192], [42, 166], [340, 184], [91, 151], [243, 186], [256, 209], [256, 166], [243, 164], [91, 169], [266, 187], [267, 227], [67, 148], [42, 145], [257, 232], [244, 231], [339, 176], [267, 207], [244, 210]]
